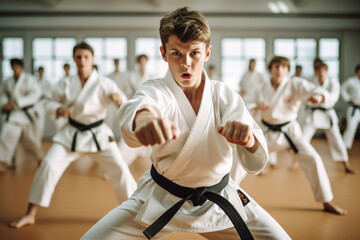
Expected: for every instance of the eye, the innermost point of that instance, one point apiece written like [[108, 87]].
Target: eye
[[176, 53], [195, 53]]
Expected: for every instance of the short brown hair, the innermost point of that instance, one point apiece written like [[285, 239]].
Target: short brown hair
[[188, 25], [321, 65], [83, 45], [281, 60], [142, 56]]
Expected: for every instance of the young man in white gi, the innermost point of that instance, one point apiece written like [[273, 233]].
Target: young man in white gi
[[324, 117], [20, 93], [350, 92], [82, 99], [192, 123], [250, 80], [278, 102]]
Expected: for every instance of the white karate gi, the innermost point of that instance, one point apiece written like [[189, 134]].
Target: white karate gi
[[122, 81], [88, 105], [200, 156], [328, 121], [284, 103], [26, 92], [135, 80], [350, 90], [43, 120], [249, 82]]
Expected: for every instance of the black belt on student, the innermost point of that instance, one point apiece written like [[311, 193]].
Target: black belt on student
[[354, 108], [198, 196], [82, 128], [322, 109], [277, 128], [25, 109]]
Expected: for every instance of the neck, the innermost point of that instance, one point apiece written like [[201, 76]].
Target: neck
[[84, 76], [142, 71], [275, 82]]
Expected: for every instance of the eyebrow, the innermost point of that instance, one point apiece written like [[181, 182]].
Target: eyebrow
[[175, 49]]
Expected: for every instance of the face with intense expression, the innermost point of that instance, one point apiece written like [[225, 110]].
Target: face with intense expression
[[84, 60], [186, 61]]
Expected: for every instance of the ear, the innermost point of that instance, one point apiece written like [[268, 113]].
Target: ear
[[208, 53], [163, 54]]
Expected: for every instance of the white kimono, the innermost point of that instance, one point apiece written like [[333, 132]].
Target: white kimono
[[88, 104], [200, 156], [122, 81], [350, 91], [313, 119], [249, 82], [284, 103], [26, 92]]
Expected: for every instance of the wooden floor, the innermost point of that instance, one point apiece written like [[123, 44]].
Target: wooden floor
[[82, 197]]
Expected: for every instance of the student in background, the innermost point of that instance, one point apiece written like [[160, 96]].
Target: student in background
[[20, 93]]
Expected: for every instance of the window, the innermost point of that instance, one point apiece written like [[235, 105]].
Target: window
[[106, 50], [329, 49], [52, 54], [151, 47], [301, 51], [235, 56], [12, 48]]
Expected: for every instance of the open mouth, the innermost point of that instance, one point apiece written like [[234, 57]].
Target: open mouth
[[186, 75]]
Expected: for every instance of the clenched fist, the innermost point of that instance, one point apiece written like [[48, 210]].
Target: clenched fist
[[240, 134]]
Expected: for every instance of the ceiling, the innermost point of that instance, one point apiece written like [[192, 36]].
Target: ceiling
[[306, 7]]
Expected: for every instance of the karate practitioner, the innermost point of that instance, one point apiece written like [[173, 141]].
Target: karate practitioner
[[324, 117], [136, 79], [278, 101], [66, 69], [122, 81], [350, 92], [82, 99], [19, 95], [250, 80], [192, 124], [45, 93]]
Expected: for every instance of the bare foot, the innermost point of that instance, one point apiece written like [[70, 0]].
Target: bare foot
[[294, 166], [333, 208], [25, 220], [273, 166], [349, 168], [105, 177], [2, 168]]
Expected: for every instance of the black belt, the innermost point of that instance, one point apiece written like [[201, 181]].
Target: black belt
[[82, 128], [198, 196], [277, 128], [322, 109], [354, 108], [25, 109]]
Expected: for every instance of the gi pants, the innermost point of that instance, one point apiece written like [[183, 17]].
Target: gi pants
[[352, 123], [310, 161], [59, 158], [120, 224], [336, 144], [10, 137]]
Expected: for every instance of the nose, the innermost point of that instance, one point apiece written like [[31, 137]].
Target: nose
[[185, 65]]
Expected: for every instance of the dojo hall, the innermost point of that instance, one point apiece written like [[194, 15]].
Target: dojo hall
[[241, 115]]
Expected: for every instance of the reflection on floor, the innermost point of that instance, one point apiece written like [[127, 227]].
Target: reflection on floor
[[82, 197]]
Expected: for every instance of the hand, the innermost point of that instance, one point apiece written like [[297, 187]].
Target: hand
[[8, 107], [240, 134], [316, 99], [150, 130], [351, 102], [116, 99], [63, 112]]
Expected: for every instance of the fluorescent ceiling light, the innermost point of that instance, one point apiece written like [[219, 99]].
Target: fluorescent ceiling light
[[273, 7], [283, 7]]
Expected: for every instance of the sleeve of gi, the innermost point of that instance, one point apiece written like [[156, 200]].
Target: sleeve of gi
[[32, 96]]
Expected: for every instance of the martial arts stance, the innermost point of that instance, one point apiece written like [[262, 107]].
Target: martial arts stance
[[19, 95], [278, 101], [191, 123], [350, 92], [324, 117], [82, 99]]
